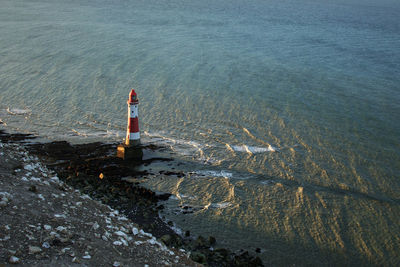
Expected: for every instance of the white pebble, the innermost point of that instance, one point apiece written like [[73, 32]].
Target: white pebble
[[122, 218], [61, 228], [96, 226], [87, 256], [65, 249], [117, 243], [135, 231], [55, 179], [14, 260], [34, 250], [124, 242], [120, 233], [29, 167]]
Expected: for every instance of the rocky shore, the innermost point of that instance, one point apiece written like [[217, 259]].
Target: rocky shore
[[73, 203], [46, 222]]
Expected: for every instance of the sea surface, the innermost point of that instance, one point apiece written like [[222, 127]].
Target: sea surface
[[287, 111]]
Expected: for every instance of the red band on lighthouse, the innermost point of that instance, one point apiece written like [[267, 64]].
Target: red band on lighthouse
[[132, 133]]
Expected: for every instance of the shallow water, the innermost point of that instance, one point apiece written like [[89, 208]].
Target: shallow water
[[287, 110]]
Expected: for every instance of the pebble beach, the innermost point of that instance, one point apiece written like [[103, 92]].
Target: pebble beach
[[45, 222]]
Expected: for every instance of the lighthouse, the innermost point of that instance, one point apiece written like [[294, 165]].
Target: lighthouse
[[132, 132], [131, 149]]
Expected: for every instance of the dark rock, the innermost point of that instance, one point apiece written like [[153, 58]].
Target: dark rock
[[198, 257], [166, 239], [201, 242], [256, 262], [20, 138], [56, 242], [163, 196], [33, 189], [212, 240], [222, 251]]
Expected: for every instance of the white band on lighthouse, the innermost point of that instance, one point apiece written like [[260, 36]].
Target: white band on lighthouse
[[132, 133], [134, 136]]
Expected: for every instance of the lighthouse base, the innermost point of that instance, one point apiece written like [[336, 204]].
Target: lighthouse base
[[129, 152]]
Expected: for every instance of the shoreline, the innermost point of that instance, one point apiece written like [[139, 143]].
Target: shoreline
[[94, 170], [46, 222]]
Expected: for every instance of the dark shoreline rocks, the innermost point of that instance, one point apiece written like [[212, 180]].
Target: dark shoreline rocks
[[95, 170]]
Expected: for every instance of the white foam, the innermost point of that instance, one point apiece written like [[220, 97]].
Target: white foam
[[254, 149], [184, 147], [79, 133], [18, 111], [268, 182], [159, 137], [94, 134], [221, 205], [179, 196], [222, 173]]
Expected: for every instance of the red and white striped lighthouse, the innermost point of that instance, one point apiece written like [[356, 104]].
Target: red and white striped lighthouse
[[131, 149], [132, 133]]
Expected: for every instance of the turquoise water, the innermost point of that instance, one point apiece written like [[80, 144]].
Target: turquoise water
[[288, 110]]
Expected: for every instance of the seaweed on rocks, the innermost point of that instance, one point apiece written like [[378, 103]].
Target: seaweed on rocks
[[16, 137]]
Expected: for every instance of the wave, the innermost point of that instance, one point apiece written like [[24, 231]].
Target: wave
[[96, 134], [222, 173], [183, 147], [18, 111], [221, 205], [252, 149]]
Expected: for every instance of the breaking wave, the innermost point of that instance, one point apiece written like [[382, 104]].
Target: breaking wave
[[253, 149]]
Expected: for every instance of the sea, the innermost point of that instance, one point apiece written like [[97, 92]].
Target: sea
[[287, 112]]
